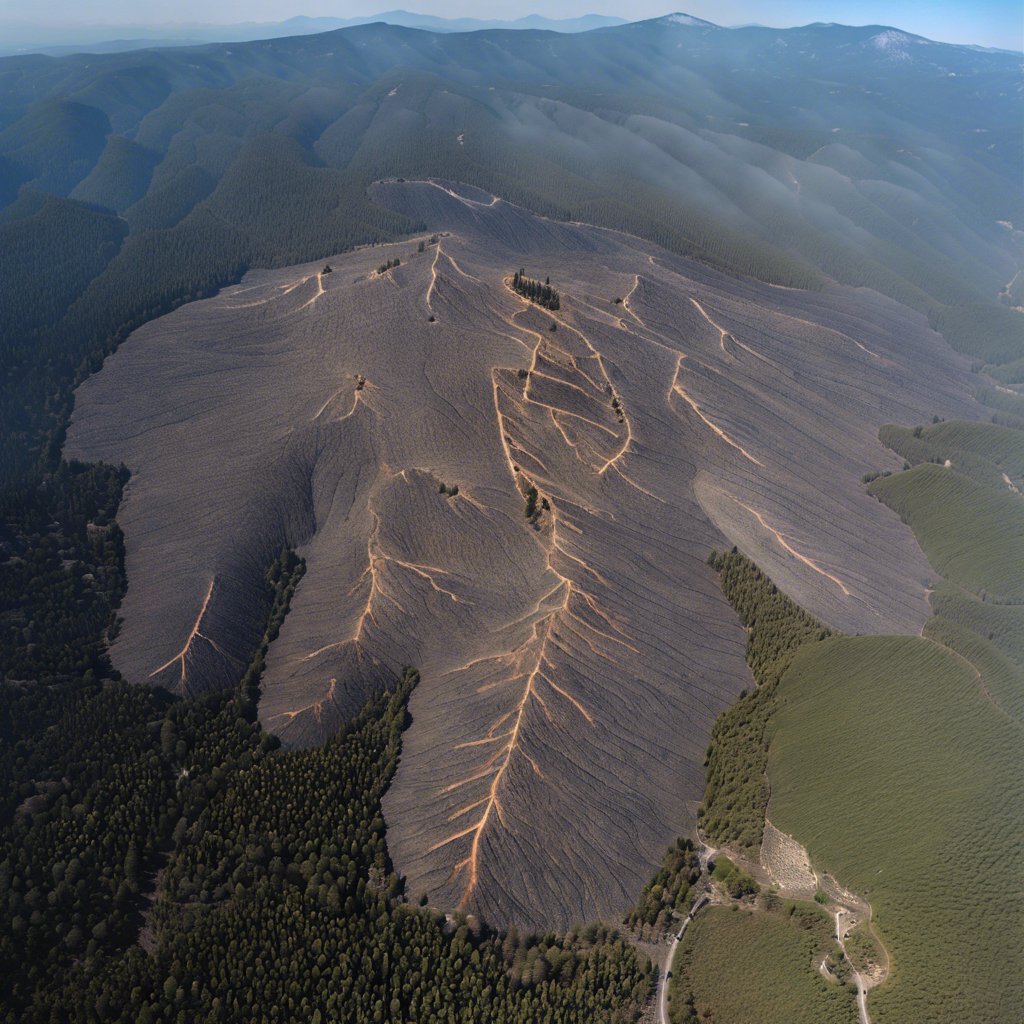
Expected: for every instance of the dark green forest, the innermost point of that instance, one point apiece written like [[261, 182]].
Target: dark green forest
[[736, 791], [542, 294], [669, 892], [163, 860]]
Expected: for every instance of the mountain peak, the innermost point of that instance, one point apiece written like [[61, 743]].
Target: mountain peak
[[686, 19], [894, 43]]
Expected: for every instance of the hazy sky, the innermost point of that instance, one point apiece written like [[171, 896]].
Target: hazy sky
[[987, 22]]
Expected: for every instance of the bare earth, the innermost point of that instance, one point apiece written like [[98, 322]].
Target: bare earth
[[787, 864], [570, 672]]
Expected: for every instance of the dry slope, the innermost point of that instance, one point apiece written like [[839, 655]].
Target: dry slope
[[571, 668]]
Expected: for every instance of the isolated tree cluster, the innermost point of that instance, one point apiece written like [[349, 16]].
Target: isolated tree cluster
[[542, 294]]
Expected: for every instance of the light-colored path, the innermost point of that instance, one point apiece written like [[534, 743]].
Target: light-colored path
[[862, 988], [665, 971], [705, 853]]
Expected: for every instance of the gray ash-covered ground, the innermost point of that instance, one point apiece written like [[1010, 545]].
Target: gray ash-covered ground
[[572, 665]]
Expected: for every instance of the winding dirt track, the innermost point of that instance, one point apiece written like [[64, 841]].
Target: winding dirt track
[[862, 988], [663, 980]]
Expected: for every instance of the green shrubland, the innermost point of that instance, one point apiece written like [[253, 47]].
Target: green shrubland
[[741, 966], [736, 882], [890, 762], [972, 534], [982, 451]]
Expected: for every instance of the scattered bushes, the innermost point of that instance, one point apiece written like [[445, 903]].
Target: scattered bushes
[[736, 882]]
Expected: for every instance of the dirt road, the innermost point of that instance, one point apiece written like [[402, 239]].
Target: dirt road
[[862, 988], [665, 971]]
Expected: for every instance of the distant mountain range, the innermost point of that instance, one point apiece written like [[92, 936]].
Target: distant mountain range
[[56, 41], [60, 40]]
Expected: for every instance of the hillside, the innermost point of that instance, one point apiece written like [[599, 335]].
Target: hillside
[[390, 422], [443, 470], [758, 151], [902, 776]]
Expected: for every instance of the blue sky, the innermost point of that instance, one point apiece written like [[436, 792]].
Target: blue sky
[[986, 22]]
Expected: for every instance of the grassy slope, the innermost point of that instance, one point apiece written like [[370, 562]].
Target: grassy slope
[[758, 968], [904, 781], [1001, 677], [1003, 625], [1003, 446], [971, 534], [982, 451]]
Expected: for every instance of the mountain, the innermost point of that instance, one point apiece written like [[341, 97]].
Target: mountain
[[29, 38], [557, 738], [709, 142]]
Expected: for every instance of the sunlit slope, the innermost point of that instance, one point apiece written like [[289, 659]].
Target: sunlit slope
[[572, 666], [972, 534], [894, 767]]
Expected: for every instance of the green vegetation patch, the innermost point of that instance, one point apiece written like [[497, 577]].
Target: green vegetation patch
[[1000, 624], [542, 294], [864, 951], [736, 791], [982, 451], [669, 893], [736, 882], [992, 333], [1009, 373], [971, 534], [736, 966], [1001, 679], [903, 780], [1009, 403]]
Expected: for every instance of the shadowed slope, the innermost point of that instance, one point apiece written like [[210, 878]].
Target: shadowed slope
[[573, 662]]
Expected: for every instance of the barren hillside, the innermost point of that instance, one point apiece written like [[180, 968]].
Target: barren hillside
[[572, 665]]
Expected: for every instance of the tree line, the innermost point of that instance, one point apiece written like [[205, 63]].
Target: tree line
[[162, 859], [736, 785]]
